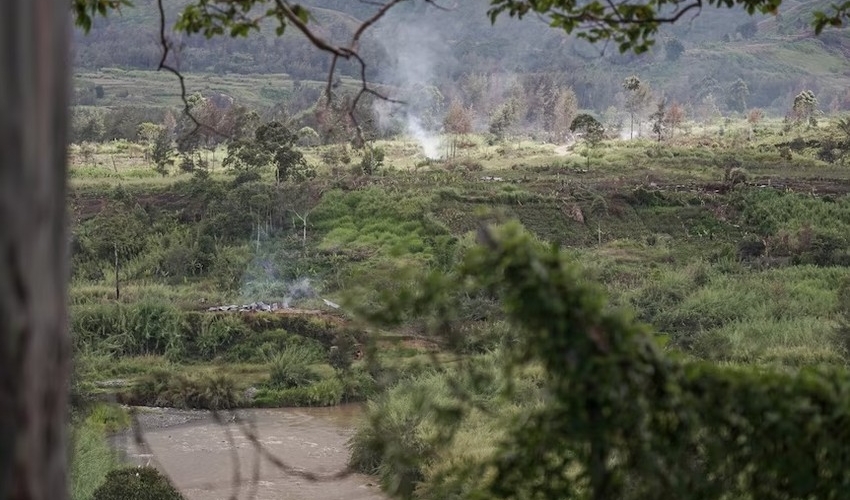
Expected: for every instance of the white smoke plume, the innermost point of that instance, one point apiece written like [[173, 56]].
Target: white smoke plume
[[416, 53], [429, 142]]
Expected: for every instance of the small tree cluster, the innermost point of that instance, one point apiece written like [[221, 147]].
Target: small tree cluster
[[372, 161], [736, 98], [638, 97], [591, 129], [161, 152], [803, 109], [458, 122], [273, 144]]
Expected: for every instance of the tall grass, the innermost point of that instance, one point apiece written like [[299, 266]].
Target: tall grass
[[778, 316], [291, 367], [91, 459], [140, 329]]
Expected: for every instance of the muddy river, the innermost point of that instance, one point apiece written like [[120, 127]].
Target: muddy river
[[297, 454]]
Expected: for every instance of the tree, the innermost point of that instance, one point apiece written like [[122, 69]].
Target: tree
[[675, 116], [147, 134], [805, 104], [503, 118], [591, 129], [658, 119], [674, 49], [736, 98], [754, 116], [458, 122], [633, 26], [273, 144], [638, 97], [35, 349], [373, 160], [161, 152], [566, 108]]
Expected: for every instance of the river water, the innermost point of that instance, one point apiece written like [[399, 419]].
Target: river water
[[298, 453]]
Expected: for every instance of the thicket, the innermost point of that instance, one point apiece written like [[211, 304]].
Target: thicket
[[619, 418], [150, 328]]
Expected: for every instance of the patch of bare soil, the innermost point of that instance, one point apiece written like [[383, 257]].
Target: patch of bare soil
[[565, 149], [303, 455]]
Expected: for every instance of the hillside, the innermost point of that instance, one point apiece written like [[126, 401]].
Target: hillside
[[777, 58]]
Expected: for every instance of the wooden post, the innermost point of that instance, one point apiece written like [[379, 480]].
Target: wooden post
[[35, 349]]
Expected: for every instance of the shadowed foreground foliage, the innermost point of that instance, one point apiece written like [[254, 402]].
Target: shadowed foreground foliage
[[619, 419], [139, 483]]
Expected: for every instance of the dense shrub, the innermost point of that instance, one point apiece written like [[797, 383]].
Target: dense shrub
[[751, 247], [327, 392], [155, 328], [291, 367], [620, 419], [204, 391], [138, 483], [127, 330]]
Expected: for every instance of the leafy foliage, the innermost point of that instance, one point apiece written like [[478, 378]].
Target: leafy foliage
[[161, 151], [373, 160], [141, 483], [273, 144], [621, 419], [591, 128], [737, 95], [805, 104]]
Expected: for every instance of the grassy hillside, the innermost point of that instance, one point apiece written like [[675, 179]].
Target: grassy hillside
[[149, 88]]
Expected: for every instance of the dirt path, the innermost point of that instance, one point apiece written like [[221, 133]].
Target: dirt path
[[203, 460]]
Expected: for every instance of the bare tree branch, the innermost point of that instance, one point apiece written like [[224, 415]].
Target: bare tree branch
[[163, 65]]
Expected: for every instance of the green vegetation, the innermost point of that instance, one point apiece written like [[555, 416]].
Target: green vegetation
[[729, 238], [496, 365], [613, 416], [143, 483], [92, 458]]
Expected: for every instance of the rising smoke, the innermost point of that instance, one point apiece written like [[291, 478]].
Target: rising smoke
[[417, 54]]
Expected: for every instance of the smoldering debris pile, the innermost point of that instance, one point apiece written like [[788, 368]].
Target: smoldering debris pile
[[296, 291], [252, 307], [263, 307]]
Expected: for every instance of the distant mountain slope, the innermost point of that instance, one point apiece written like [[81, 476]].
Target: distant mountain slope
[[776, 56]]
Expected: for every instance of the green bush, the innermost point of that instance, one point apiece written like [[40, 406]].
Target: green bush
[[217, 334], [204, 391], [291, 367], [137, 483], [327, 392], [619, 419], [127, 330]]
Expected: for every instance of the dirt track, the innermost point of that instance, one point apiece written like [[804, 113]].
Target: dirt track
[[203, 461]]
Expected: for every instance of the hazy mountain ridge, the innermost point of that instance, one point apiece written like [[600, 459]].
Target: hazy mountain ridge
[[777, 59]]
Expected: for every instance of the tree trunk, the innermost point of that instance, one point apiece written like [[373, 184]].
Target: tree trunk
[[34, 344]]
